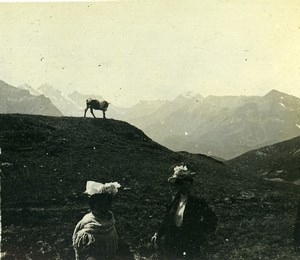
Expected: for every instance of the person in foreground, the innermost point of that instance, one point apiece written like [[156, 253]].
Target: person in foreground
[[297, 230], [188, 220], [95, 236]]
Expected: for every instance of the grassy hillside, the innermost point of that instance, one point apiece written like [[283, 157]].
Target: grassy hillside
[[46, 161], [280, 162]]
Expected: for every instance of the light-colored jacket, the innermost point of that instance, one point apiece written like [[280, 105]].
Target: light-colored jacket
[[94, 237]]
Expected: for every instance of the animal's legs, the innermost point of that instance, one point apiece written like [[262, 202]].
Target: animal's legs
[[85, 111], [103, 114], [92, 112]]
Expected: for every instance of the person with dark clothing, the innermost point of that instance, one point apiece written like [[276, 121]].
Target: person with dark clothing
[[297, 229], [188, 220]]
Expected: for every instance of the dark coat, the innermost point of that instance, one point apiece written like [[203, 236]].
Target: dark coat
[[198, 222], [297, 229]]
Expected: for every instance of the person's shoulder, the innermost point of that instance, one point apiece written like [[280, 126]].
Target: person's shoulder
[[199, 201], [87, 217]]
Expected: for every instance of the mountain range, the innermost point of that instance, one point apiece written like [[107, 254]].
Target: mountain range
[[72, 104], [222, 127], [18, 100]]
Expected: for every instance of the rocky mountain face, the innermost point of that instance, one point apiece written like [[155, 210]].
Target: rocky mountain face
[[67, 106], [16, 100], [224, 127], [31, 90], [279, 162]]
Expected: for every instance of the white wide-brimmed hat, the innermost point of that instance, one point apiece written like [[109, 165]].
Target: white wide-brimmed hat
[[181, 172], [93, 188]]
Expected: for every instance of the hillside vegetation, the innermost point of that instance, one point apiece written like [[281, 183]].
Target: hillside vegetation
[[46, 161], [278, 162]]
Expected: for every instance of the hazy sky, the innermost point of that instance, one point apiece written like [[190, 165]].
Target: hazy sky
[[137, 50]]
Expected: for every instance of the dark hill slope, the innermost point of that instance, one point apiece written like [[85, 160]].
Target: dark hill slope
[[46, 161], [280, 161], [65, 152]]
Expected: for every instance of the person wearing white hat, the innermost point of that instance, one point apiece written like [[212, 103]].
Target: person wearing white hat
[[187, 222], [95, 236]]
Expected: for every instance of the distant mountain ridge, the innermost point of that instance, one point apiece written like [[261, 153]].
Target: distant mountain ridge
[[223, 126], [73, 104], [31, 90], [16, 100], [62, 102]]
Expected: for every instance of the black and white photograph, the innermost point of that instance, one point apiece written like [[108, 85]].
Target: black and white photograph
[[150, 130]]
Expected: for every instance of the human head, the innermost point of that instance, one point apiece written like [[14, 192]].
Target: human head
[[182, 179], [100, 202], [183, 186], [101, 195]]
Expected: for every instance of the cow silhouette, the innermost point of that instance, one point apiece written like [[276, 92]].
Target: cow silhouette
[[97, 105]]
